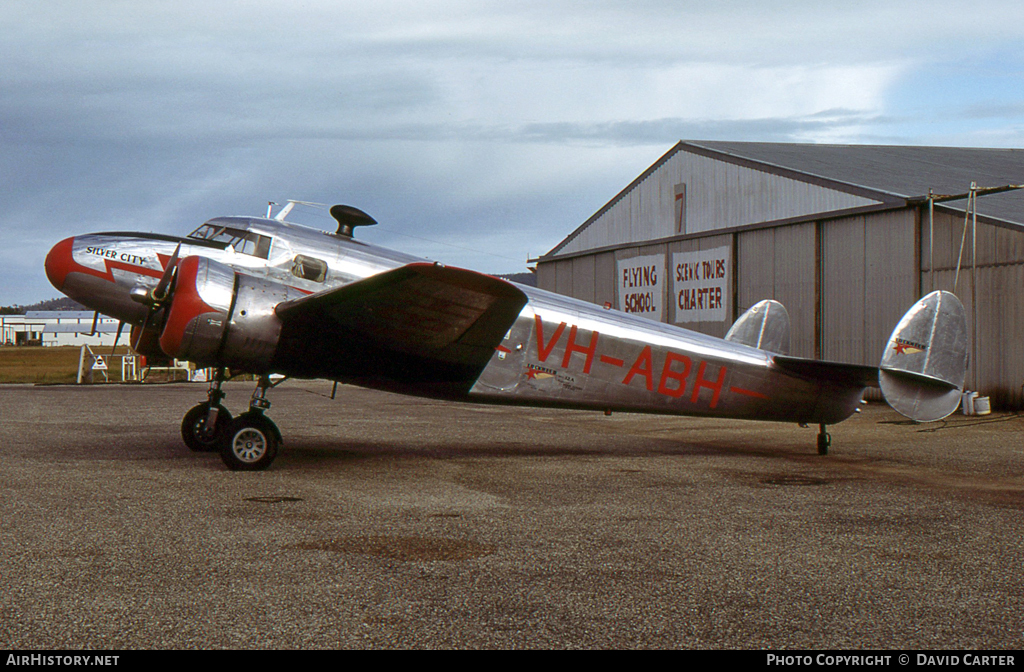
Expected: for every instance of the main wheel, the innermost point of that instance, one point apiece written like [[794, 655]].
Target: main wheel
[[194, 432], [250, 443]]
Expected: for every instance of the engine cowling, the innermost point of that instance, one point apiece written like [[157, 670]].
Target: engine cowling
[[218, 317]]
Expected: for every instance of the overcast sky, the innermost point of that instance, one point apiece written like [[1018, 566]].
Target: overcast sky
[[476, 133]]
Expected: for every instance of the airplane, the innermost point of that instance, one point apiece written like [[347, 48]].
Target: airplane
[[266, 296]]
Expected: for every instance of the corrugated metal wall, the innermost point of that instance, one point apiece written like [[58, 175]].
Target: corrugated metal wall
[[719, 195], [779, 263], [997, 367], [868, 280]]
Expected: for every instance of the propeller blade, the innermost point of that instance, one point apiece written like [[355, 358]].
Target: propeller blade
[[145, 323], [160, 292]]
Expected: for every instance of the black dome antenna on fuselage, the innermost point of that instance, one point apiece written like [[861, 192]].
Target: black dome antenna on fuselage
[[349, 218]]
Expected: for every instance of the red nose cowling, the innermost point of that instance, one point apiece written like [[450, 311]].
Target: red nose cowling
[[59, 262]]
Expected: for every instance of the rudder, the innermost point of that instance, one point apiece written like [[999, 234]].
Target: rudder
[[923, 368]]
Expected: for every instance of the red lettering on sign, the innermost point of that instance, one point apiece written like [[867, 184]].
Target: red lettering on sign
[[680, 376], [572, 347], [714, 386], [614, 361], [642, 367], [544, 350]]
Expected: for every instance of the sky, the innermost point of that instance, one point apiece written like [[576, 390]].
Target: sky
[[476, 133]]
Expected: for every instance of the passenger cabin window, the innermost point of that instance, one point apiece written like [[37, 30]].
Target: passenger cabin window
[[244, 242], [309, 268]]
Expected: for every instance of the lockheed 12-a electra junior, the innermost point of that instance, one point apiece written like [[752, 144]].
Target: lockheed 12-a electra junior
[[266, 296]]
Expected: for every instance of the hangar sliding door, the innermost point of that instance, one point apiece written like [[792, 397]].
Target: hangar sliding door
[[779, 263], [869, 278]]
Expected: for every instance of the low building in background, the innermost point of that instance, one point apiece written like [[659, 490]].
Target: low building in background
[[61, 327]]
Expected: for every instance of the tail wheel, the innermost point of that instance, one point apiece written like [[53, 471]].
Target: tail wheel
[[824, 442], [250, 443], [195, 433]]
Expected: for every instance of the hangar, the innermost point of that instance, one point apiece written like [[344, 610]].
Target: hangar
[[847, 237]]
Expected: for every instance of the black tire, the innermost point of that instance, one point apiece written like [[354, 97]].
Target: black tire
[[192, 428], [250, 443]]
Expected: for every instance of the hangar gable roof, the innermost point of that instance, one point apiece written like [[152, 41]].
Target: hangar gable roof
[[871, 173]]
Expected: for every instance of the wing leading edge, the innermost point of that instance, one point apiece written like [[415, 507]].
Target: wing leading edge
[[420, 325]]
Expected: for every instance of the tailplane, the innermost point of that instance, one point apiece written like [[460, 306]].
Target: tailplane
[[925, 362]]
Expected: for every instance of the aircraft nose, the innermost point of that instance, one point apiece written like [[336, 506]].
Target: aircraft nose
[[58, 262]]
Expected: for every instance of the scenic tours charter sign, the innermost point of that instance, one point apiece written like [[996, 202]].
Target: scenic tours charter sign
[[699, 280], [700, 285], [641, 282]]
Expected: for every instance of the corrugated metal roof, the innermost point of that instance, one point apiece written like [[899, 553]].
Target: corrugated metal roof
[[903, 171], [889, 173], [78, 328]]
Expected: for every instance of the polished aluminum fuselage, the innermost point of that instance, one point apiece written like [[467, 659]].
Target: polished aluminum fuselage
[[565, 352], [558, 352]]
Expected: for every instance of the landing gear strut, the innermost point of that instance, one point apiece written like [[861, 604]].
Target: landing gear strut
[[204, 425], [824, 440], [250, 442]]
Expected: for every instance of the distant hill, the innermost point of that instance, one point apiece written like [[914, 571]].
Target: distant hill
[[53, 304], [528, 279]]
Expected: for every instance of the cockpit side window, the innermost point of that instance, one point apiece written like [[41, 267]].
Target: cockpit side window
[[263, 247], [244, 242], [309, 268]]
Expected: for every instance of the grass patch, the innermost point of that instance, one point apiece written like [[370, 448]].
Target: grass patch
[[33, 364]]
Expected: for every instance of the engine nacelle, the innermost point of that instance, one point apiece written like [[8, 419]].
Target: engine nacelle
[[218, 317]]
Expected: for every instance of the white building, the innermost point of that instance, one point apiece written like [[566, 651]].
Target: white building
[[61, 327]]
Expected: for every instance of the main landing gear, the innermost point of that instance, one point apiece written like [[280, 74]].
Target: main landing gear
[[205, 424], [247, 443]]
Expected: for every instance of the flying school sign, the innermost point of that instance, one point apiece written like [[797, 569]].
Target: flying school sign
[[641, 280], [700, 285]]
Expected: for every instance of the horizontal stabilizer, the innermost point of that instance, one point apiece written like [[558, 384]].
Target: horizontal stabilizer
[[925, 362], [765, 326], [852, 375]]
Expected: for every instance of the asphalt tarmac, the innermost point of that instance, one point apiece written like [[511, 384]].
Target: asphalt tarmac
[[390, 521]]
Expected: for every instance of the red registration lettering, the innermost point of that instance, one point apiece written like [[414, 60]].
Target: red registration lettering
[[642, 367], [714, 386], [544, 350], [572, 347], [679, 376]]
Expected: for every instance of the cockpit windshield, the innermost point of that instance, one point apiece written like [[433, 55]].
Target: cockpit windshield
[[245, 242]]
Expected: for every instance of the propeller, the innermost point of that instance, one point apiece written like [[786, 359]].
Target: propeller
[[159, 295]]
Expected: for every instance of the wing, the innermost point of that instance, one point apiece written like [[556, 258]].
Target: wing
[[422, 327]]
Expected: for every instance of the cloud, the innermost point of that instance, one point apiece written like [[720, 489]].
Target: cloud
[[486, 125]]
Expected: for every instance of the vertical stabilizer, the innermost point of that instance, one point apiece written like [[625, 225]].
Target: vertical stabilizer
[[925, 362], [765, 325]]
